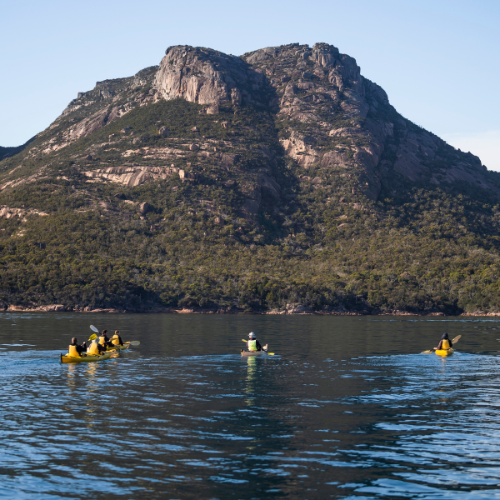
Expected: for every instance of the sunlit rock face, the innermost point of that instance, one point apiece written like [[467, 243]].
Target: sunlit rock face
[[325, 115], [337, 119], [205, 76]]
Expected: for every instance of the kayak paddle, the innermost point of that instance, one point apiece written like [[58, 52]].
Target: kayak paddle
[[270, 353], [94, 329], [454, 341]]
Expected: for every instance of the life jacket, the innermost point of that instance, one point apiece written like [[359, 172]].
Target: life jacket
[[252, 345], [72, 351], [93, 349], [102, 340], [115, 339], [445, 344]]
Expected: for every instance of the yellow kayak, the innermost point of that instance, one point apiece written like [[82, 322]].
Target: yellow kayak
[[125, 345], [444, 352], [86, 358]]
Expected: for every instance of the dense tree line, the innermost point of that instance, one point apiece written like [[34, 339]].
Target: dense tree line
[[319, 245]]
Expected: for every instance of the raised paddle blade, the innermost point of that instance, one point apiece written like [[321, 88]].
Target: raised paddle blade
[[135, 342], [94, 329], [243, 340], [93, 337], [456, 339]]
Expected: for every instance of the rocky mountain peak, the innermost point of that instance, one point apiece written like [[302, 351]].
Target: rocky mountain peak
[[328, 116], [205, 76]]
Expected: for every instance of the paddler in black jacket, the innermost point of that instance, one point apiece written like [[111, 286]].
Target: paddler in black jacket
[[116, 339], [445, 343], [104, 340], [75, 347]]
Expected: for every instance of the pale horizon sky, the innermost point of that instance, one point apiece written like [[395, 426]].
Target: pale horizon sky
[[437, 60]]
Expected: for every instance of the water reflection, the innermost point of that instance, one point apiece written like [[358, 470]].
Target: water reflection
[[250, 380]]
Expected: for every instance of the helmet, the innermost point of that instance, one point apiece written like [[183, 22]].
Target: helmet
[[251, 335]]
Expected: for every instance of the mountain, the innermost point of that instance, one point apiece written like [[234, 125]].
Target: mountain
[[6, 152], [282, 180]]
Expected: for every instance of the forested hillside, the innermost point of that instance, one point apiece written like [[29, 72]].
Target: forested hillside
[[279, 181]]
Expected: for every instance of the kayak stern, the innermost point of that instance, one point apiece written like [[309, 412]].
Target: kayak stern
[[444, 352]]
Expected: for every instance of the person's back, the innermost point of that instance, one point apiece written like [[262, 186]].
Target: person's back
[[96, 348], [104, 340], [253, 345], [445, 343], [116, 339], [74, 349]]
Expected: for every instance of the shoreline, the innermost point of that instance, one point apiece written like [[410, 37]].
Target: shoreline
[[297, 311]]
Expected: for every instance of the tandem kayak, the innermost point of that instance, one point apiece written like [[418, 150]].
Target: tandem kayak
[[444, 352], [86, 358]]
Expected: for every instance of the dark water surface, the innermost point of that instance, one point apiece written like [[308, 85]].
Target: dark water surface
[[348, 410]]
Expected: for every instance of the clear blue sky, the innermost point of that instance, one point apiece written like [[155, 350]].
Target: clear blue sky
[[438, 60]]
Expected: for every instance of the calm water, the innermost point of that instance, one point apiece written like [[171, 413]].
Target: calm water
[[348, 410]]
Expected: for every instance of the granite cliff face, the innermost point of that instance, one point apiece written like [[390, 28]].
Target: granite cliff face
[[332, 116], [286, 162], [205, 76], [329, 116], [337, 119]]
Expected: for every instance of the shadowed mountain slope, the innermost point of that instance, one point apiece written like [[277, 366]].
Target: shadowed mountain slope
[[280, 180]]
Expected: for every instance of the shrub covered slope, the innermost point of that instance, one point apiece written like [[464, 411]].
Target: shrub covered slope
[[296, 184]]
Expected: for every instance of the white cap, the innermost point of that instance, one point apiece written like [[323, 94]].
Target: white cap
[[251, 335]]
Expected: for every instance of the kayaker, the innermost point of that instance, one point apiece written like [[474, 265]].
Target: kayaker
[[96, 348], [104, 340], [75, 349], [116, 339], [444, 343], [253, 344]]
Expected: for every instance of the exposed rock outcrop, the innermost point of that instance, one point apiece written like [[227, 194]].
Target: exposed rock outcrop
[[131, 176], [325, 100], [8, 213], [205, 76]]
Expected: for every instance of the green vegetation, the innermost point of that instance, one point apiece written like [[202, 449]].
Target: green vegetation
[[315, 244]]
